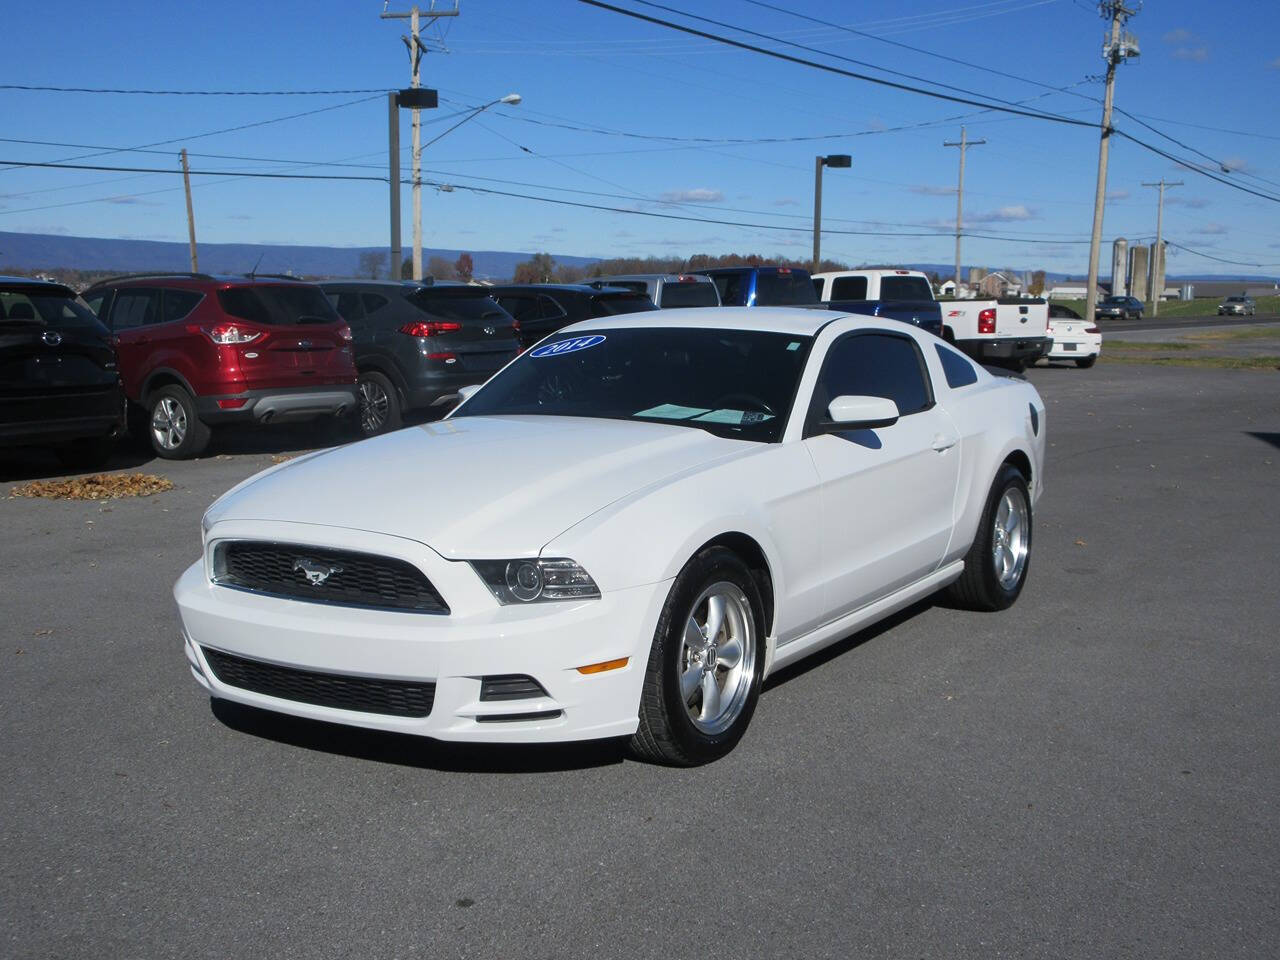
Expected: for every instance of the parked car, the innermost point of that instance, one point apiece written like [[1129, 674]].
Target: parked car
[[1119, 308], [1073, 339], [904, 295], [762, 286], [645, 516], [198, 350], [667, 290], [59, 383], [417, 344], [1237, 306], [543, 308]]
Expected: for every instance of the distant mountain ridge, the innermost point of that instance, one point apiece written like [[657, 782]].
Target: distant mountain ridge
[[37, 251]]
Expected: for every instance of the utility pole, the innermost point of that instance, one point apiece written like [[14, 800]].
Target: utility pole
[[836, 160], [1157, 255], [191, 220], [416, 50], [393, 151], [964, 143], [1115, 50]]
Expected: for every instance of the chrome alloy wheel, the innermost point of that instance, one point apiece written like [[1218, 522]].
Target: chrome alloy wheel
[[1010, 543], [374, 406], [169, 423], [718, 657]]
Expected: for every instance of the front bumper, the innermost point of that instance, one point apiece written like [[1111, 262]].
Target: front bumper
[[545, 641], [271, 404]]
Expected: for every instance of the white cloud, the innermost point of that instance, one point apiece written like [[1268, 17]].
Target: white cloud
[[1180, 35], [1010, 214], [1118, 195], [696, 195], [929, 190], [786, 202], [1193, 203], [1237, 164], [1274, 64], [1211, 230], [1192, 54]]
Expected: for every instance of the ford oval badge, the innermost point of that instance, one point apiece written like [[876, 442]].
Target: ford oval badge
[[571, 345]]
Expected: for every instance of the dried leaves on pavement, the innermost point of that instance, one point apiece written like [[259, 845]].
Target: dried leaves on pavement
[[98, 486]]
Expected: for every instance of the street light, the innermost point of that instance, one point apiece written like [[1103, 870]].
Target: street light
[[836, 160]]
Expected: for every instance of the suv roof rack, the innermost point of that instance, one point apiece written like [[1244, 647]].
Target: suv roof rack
[[150, 274], [273, 276]]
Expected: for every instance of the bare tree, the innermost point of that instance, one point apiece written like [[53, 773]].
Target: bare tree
[[372, 263], [464, 267]]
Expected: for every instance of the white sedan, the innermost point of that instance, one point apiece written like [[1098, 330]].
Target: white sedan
[[622, 533], [1073, 339]]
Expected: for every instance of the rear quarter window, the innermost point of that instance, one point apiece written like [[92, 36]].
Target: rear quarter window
[[956, 367]]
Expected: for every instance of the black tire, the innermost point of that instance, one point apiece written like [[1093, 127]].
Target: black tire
[[667, 733], [191, 436], [88, 453], [379, 406], [979, 587], [1084, 363]]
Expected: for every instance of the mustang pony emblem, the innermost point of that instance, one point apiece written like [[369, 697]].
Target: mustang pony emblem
[[316, 573]]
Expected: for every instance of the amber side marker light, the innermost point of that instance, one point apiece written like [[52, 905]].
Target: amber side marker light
[[602, 667]]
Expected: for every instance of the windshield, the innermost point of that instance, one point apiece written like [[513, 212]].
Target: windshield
[[686, 294], [462, 307], [779, 289], [278, 305], [612, 304], [1235, 299], [733, 383]]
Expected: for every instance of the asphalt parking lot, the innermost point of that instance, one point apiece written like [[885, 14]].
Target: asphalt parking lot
[[1094, 773]]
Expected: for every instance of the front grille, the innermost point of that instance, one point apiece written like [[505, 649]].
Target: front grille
[[321, 575], [396, 698]]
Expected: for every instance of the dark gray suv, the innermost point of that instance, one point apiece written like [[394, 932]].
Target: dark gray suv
[[416, 345]]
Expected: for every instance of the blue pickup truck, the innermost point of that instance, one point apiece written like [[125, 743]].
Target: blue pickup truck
[[897, 299]]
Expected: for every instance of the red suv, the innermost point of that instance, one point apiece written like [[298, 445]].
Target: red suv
[[197, 350]]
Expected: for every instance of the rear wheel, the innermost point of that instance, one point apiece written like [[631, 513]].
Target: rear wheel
[[379, 404], [176, 432], [705, 665], [1086, 362], [995, 568]]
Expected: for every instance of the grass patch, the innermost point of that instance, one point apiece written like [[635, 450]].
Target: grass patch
[[1253, 333], [98, 486], [1209, 363]]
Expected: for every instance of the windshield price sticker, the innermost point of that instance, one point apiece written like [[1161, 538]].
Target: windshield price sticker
[[572, 345]]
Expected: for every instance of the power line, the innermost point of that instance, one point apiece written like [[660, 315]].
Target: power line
[[1208, 256], [191, 93], [1193, 167], [828, 68]]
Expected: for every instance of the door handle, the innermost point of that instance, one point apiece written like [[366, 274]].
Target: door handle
[[941, 443]]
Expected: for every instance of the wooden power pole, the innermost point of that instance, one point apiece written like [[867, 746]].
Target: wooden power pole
[[191, 218], [964, 143]]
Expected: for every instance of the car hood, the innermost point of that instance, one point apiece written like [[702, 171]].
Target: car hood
[[477, 487]]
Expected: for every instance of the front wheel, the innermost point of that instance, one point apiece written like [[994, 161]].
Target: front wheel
[[995, 568], [706, 663]]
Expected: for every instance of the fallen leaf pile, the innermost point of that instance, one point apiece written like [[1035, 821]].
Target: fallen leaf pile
[[98, 486]]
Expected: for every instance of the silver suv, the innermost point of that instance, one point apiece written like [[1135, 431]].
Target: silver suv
[[1237, 306], [667, 289]]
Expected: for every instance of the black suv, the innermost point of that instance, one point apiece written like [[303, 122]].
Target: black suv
[[59, 386], [543, 308], [416, 345]]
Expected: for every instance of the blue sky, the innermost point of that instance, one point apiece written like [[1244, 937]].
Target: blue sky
[[1202, 66]]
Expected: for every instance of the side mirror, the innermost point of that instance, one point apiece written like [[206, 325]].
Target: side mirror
[[860, 413], [465, 393]]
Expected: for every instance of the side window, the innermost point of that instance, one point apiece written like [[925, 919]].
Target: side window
[[956, 367], [873, 365], [94, 302], [179, 303], [730, 287], [551, 309], [348, 307], [373, 302], [849, 288], [135, 307], [522, 309]]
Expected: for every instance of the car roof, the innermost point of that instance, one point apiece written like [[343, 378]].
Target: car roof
[[50, 287], [680, 277], [373, 284], [582, 288], [200, 280], [798, 321]]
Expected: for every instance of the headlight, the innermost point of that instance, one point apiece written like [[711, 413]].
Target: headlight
[[527, 580]]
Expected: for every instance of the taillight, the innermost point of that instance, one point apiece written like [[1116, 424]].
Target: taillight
[[987, 321], [446, 357], [228, 333], [344, 333], [430, 328], [1093, 329]]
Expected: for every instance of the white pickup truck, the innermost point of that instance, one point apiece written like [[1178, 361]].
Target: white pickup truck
[[1008, 331], [904, 295]]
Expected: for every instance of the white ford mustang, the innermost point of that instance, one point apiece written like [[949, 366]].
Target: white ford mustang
[[622, 533]]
